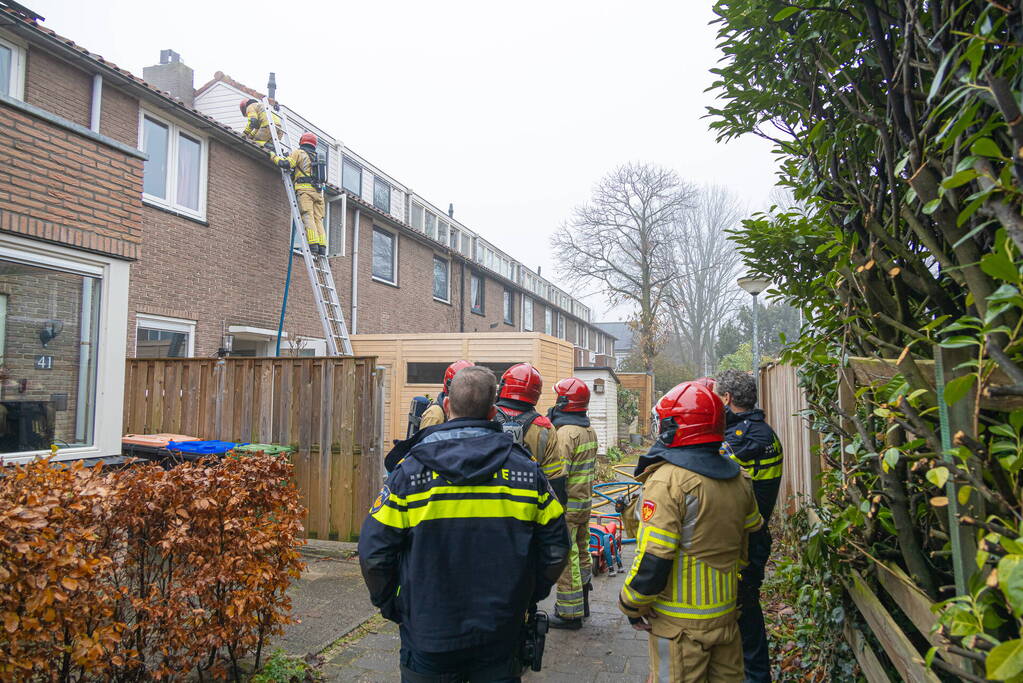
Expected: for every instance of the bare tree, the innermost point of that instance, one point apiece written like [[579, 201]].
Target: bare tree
[[705, 294], [623, 239]]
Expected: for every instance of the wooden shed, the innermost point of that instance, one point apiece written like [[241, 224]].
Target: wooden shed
[[643, 384], [603, 412], [416, 362]]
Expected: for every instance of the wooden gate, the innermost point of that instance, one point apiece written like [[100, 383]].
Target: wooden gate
[[328, 409]]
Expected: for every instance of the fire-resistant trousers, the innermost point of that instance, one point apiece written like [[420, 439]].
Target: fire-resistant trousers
[[310, 204], [691, 658], [577, 572]]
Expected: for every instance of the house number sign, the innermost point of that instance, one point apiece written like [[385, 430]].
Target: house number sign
[[44, 362]]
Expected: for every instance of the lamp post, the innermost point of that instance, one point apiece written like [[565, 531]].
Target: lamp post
[[754, 286]]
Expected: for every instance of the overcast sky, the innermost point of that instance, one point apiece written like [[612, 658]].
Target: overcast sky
[[509, 110]]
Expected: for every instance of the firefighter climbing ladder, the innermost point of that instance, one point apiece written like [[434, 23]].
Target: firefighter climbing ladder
[[318, 267]]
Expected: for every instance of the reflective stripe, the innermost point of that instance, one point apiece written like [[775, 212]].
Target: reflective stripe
[[753, 520], [769, 473], [663, 659], [698, 590], [577, 504], [636, 598], [553, 469], [664, 538], [687, 612], [585, 446], [689, 520]]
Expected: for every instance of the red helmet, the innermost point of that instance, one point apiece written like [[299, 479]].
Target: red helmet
[[573, 395], [690, 414], [449, 374], [708, 382], [521, 382], [244, 104], [308, 139]]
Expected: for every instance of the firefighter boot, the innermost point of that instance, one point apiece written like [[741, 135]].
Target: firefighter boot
[[558, 621]]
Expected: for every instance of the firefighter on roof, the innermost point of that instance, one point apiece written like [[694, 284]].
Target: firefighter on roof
[[308, 177], [751, 442], [257, 125], [517, 395], [434, 415], [696, 511], [577, 446]]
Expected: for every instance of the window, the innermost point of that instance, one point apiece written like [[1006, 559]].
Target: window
[[586, 336], [600, 343], [441, 279], [12, 70], [431, 225], [160, 337], [416, 216], [174, 175], [467, 246], [335, 226], [351, 177], [527, 314], [381, 195], [425, 373], [476, 293], [561, 326], [385, 256], [442, 231], [455, 235], [509, 307], [548, 321]]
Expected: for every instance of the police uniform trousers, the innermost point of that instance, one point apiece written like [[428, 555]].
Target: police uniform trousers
[[751, 617], [310, 204], [712, 656], [472, 665], [577, 573]]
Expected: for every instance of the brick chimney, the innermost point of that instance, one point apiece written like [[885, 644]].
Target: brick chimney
[[172, 76]]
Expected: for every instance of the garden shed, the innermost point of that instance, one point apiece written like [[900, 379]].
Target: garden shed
[[416, 362], [603, 412]]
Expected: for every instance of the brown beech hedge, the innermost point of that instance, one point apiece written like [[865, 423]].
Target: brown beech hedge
[[143, 573]]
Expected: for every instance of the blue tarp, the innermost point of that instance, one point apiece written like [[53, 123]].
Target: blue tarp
[[202, 447]]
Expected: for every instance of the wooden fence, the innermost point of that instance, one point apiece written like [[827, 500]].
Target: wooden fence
[[783, 401], [329, 410]]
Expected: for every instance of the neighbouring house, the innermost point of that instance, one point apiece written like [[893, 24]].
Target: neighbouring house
[[622, 335]]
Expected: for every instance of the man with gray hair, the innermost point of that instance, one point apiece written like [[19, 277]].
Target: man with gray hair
[[751, 442], [463, 540]]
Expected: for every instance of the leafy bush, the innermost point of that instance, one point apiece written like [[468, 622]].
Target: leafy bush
[[628, 406], [144, 572], [282, 668]]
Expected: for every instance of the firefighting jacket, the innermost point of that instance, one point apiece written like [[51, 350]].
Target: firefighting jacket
[[696, 512], [465, 535], [577, 447], [752, 443], [434, 414], [255, 118], [301, 166]]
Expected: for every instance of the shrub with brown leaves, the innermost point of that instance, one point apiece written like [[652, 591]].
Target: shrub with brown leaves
[[144, 573]]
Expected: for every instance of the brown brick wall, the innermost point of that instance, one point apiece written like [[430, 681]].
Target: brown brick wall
[[58, 87], [59, 186], [119, 116]]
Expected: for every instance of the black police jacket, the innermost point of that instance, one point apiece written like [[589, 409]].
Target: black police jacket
[[464, 537], [753, 444]]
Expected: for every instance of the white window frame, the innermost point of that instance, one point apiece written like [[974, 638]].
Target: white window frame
[[163, 323], [420, 225], [548, 321], [482, 289], [377, 180], [17, 48], [561, 326], [174, 129], [447, 264], [362, 177], [508, 307], [527, 320], [112, 328], [341, 204], [394, 256]]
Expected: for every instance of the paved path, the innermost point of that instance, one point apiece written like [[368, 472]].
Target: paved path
[[606, 649]]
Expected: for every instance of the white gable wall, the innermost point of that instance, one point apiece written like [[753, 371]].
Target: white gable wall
[[603, 411]]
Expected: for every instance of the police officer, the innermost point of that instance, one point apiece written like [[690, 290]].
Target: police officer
[[577, 446], [518, 392], [752, 444], [464, 537], [696, 511], [257, 124], [434, 414], [307, 190]]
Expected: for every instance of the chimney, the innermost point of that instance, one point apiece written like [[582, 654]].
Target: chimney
[[539, 270], [172, 76], [451, 210], [271, 87]]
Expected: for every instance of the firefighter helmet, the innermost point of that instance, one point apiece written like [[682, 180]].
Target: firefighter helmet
[[308, 139], [521, 382], [708, 382], [573, 395], [690, 414], [244, 104], [449, 374]]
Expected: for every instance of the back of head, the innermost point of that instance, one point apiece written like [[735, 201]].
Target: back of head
[[690, 414], [740, 385], [472, 392], [522, 382]]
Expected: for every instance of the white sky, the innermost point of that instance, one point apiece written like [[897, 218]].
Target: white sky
[[509, 110]]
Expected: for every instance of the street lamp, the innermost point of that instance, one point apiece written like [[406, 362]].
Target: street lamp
[[754, 286]]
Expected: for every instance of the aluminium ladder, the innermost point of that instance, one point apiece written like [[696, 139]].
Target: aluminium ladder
[[318, 267]]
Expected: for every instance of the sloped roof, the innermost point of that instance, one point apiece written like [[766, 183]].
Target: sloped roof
[[619, 331]]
